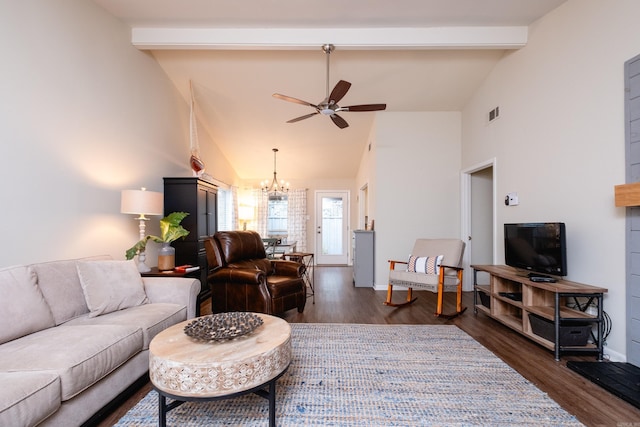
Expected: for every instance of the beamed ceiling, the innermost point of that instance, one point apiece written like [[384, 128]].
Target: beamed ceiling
[[413, 55]]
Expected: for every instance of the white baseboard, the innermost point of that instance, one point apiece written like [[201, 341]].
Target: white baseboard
[[614, 356], [395, 288]]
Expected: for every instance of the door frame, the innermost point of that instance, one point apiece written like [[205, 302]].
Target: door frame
[[363, 207], [466, 215], [346, 223]]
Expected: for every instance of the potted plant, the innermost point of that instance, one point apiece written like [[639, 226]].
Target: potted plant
[[170, 230]]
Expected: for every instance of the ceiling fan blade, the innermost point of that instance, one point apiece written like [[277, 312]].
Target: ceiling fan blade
[[339, 91], [339, 121], [364, 107], [296, 100], [306, 116]]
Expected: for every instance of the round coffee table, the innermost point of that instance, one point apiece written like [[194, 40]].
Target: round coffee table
[[185, 369]]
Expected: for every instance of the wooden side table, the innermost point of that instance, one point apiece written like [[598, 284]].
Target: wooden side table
[[170, 273], [306, 259], [185, 369]]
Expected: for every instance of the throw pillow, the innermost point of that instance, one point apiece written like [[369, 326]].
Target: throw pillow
[[60, 285], [23, 309], [424, 264], [111, 286]]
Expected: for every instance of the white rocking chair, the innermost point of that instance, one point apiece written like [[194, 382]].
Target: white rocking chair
[[434, 265]]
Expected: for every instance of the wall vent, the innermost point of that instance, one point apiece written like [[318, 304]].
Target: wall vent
[[494, 114]]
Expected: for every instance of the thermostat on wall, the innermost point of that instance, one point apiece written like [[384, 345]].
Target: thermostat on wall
[[511, 199]]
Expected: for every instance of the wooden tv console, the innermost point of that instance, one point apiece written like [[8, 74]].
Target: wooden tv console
[[546, 300]]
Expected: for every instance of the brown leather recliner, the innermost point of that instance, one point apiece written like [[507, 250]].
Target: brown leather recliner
[[242, 278]]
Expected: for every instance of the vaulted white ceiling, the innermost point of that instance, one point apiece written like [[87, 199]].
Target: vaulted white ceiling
[[413, 55]]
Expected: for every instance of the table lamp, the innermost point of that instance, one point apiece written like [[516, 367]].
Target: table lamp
[[141, 202], [245, 214]]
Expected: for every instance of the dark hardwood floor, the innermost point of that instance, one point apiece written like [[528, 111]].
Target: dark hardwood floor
[[337, 301]]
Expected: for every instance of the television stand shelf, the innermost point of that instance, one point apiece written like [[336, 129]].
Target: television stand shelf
[[533, 308]]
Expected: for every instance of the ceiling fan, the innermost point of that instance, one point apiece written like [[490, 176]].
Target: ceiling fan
[[329, 106]]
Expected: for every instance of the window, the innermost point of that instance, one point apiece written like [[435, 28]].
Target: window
[[277, 216], [283, 216], [332, 226], [225, 210]]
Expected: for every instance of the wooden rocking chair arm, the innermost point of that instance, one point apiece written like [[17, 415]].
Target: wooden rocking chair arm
[[392, 263], [451, 267]]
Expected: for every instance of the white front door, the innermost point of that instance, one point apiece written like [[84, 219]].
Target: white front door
[[332, 227]]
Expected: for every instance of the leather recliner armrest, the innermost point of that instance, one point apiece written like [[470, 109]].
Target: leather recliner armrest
[[287, 268], [237, 275]]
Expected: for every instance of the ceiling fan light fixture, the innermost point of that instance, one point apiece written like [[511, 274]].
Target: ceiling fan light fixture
[[328, 48], [329, 106]]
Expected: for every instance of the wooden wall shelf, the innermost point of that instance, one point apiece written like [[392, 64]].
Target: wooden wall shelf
[[627, 194]]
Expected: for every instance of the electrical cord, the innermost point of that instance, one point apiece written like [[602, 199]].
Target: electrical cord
[[606, 320], [606, 327]]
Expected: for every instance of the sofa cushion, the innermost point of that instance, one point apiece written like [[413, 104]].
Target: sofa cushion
[[280, 286], [422, 281], [60, 285], [79, 355], [111, 285], [151, 318], [23, 309], [27, 398]]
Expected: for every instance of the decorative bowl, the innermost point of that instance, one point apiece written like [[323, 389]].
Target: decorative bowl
[[222, 326]]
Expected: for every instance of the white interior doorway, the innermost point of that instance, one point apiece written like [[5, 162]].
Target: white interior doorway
[[332, 228], [363, 207], [478, 218]]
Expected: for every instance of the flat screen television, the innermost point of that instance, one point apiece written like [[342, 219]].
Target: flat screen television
[[539, 248]]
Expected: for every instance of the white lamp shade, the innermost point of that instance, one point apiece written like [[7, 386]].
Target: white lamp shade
[[141, 202], [245, 213]]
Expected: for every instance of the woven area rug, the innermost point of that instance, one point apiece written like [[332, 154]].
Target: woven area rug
[[379, 375]]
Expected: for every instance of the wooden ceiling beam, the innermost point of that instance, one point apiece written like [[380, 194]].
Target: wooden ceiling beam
[[513, 37]]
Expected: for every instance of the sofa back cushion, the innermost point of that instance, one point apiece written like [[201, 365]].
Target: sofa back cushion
[[239, 246], [60, 285], [111, 286], [23, 309]]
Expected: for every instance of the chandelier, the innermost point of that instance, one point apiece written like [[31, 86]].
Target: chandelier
[[274, 187]]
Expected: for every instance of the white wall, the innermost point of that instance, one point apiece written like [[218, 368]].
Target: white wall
[[83, 116], [559, 141], [414, 182], [366, 176]]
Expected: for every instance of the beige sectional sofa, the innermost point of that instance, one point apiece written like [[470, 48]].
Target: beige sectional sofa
[[75, 334]]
